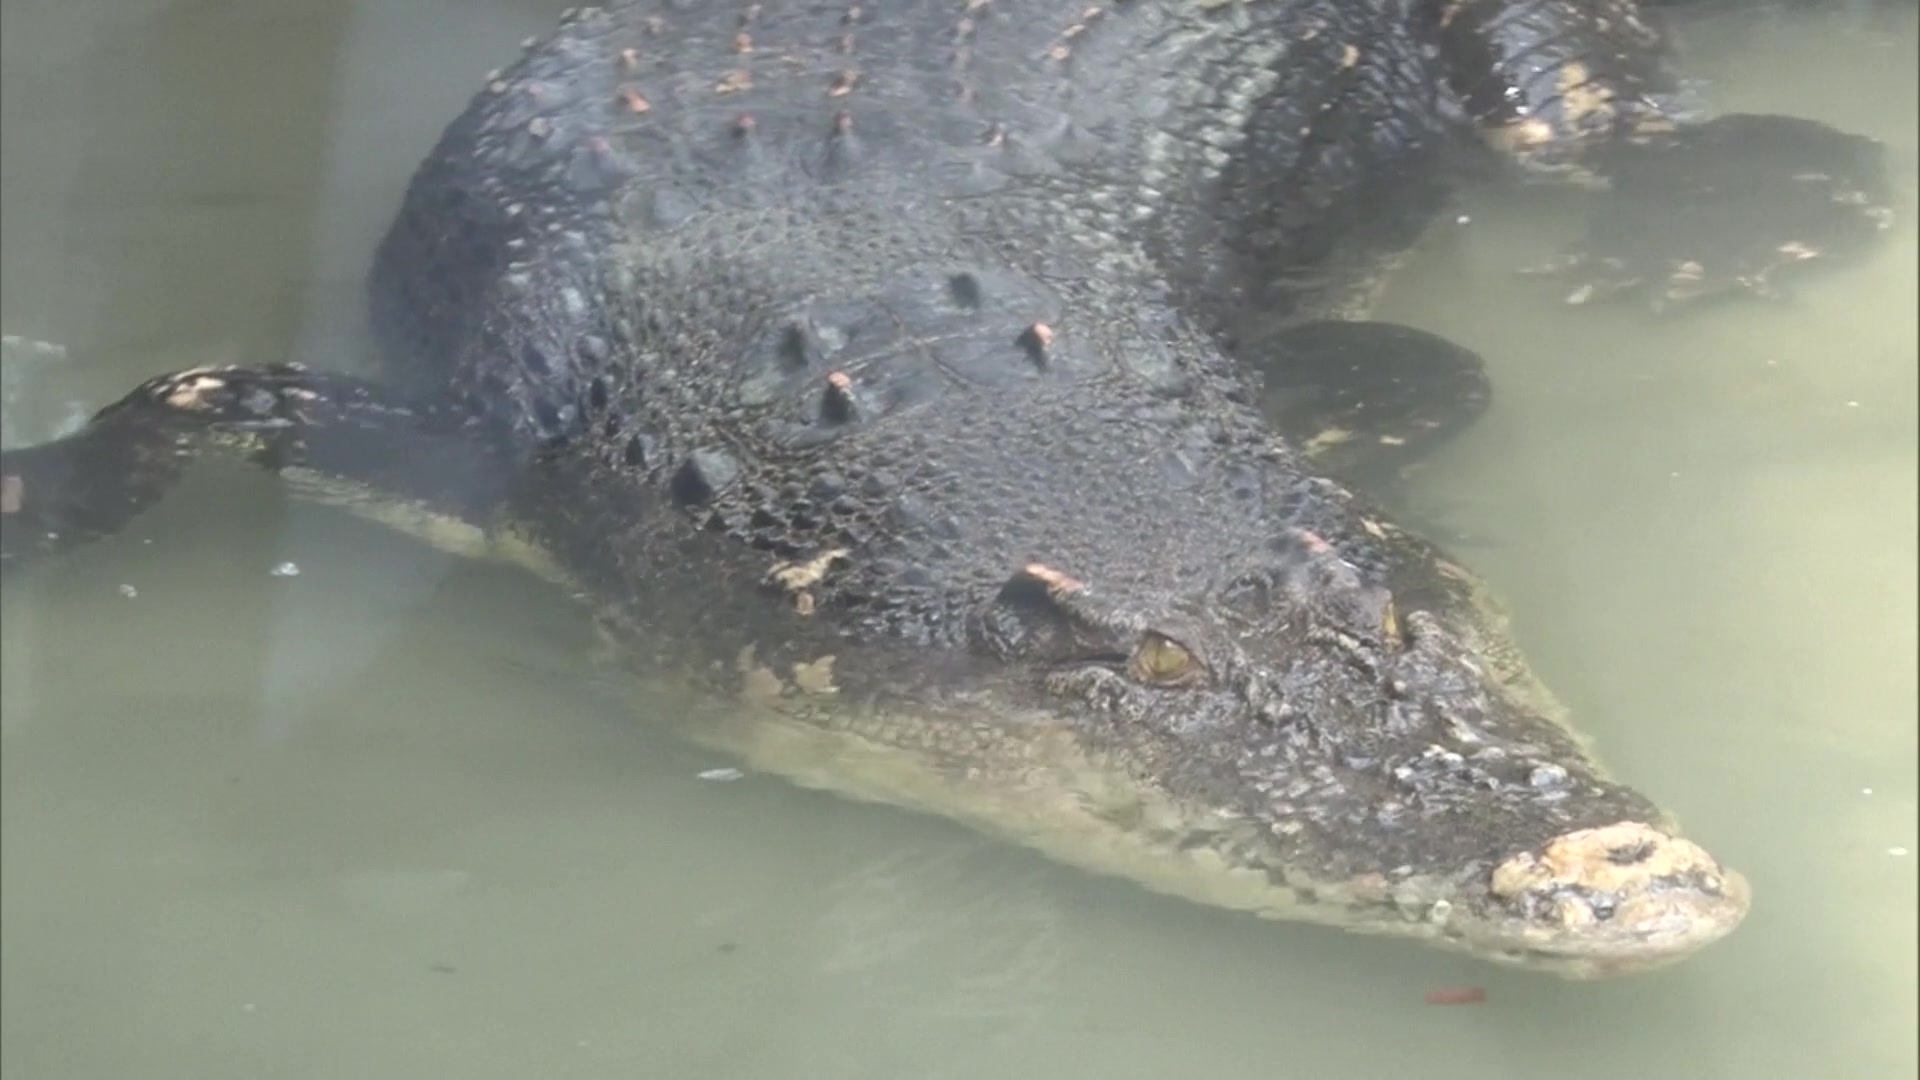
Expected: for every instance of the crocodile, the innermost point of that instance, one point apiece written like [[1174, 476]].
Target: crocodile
[[879, 372]]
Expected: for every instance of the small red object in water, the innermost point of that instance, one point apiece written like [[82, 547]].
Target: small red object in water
[[1457, 995]]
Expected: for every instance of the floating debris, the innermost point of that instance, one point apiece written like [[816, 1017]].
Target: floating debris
[[129, 591], [722, 775], [1458, 995], [286, 569]]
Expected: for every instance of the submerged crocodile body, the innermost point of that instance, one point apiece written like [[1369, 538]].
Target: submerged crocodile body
[[875, 367]]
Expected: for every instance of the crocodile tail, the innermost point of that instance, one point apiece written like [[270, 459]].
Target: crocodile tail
[[60, 494]]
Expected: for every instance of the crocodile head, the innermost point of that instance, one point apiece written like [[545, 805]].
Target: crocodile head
[[1300, 740]]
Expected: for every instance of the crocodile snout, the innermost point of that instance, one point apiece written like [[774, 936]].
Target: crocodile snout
[[1619, 898]]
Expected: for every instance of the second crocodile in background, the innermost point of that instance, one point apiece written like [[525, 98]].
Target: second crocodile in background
[[876, 369]]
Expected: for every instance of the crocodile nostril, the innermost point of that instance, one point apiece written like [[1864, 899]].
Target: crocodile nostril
[[1631, 854], [1626, 857]]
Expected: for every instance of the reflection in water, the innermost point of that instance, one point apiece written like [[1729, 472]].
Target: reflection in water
[[377, 820], [883, 918]]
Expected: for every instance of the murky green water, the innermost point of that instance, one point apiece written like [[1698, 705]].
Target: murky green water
[[377, 820]]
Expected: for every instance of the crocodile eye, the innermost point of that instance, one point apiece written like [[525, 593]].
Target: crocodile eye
[[1161, 661]]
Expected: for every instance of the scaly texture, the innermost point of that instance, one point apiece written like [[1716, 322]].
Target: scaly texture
[[873, 367]]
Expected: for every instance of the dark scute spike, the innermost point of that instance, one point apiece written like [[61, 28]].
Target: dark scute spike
[[534, 359], [703, 475], [837, 405], [1034, 341], [965, 290], [844, 148], [1023, 593], [795, 352], [639, 451], [591, 349], [828, 485], [1037, 583]]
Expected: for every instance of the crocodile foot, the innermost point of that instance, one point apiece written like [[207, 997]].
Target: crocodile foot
[[1366, 400], [1723, 208], [91, 483]]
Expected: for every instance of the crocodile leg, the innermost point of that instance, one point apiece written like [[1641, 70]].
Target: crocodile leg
[[348, 440], [1366, 399], [1724, 208], [1688, 208]]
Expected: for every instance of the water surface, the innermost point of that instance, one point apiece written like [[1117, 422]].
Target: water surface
[[377, 818]]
